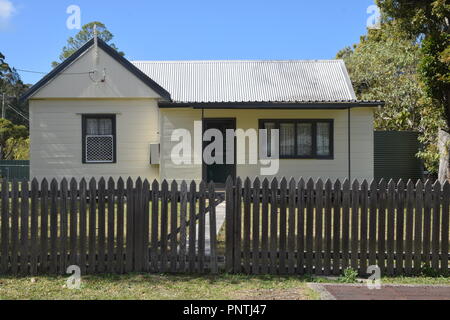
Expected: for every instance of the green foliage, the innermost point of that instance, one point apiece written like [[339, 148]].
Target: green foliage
[[86, 34], [13, 87], [384, 66], [13, 141], [428, 272], [427, 21], [18, 149], [349, 276]]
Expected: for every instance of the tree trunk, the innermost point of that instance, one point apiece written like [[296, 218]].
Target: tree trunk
[[444, 151]]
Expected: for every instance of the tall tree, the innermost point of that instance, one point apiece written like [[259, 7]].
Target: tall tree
[[12, 86], [428, 21], [384, 66], [86, 34]]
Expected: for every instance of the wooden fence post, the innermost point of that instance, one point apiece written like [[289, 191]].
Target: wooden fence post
[[212, 229], [229, 224], [256, 226]]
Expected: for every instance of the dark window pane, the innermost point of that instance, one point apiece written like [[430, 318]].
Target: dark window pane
[[304, 139], [323, 139], [287, 137], [269, 126], [92, 127]]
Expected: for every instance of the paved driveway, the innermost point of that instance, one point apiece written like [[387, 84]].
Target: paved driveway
[[387, 292]]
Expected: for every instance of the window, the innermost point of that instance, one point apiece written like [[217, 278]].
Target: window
[[302, 139], [99, 138]]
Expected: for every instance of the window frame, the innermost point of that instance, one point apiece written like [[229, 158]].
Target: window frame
[[313, 122], [85, 117]]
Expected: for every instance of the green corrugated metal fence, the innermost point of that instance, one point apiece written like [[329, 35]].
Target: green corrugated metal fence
[[15, 169], [395, 155]]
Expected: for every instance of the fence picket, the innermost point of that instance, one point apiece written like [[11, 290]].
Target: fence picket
[[164, 224], [256, 226], [83, 225], [363, 226], [212, 229], [273, 226], [15, 228], [102, 225], [265, 227], [111, 225], [418, 228], [355, 201], [337, 228], [373, 223], [183, 215], [64, 207], [201, 228], [173, 226], [291, 223], [193, 228], [237, 225], [390, 228], [309, 226], [120, 267], [409, 227], [436, 206], [247, 225], [92, 226], [53, 226], [283, 226], [5, 228], [319, 227], [345, 224], [146, 225], [328, 228], [229, 222], [154, 256], [301, 226], [138, 227], [400, 222], [445, 228], [24, 228], [382, 205], [44, 227], [427, 205], [74, 223], [34, 220], [129, 247]]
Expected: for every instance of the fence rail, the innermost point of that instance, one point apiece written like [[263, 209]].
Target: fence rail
[[106, 227], [322, 228]]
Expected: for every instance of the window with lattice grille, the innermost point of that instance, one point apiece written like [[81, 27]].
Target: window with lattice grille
[[99, 139]]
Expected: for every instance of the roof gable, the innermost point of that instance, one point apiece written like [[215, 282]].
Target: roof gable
[[122, 79]]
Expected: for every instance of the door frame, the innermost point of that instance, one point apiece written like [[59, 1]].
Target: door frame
[[204, 165]]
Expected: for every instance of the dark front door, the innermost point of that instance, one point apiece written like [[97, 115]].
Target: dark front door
[[219, 172]]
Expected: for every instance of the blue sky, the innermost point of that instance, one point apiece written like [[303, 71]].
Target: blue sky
[[32, 32]]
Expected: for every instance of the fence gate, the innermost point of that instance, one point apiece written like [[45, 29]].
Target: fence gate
[[323, 228], [107, 227]]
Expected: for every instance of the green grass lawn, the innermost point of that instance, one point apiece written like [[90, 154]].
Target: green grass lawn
[[168, 287], [158, 287]]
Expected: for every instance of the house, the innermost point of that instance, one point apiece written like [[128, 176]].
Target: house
[[100, 115]]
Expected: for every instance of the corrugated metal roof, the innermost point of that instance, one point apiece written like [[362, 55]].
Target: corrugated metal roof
[[251, 81]]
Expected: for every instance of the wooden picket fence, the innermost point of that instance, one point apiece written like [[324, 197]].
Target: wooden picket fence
[[277, 227], [323, 228], [106, 227]]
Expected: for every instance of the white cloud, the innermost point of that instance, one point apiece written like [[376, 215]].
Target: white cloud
[[7, 9]]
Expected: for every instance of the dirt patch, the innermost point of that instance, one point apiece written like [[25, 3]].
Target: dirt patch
[[272, 294]]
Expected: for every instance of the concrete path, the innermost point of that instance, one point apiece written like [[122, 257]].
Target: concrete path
[[220, 220], [387, 292]]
